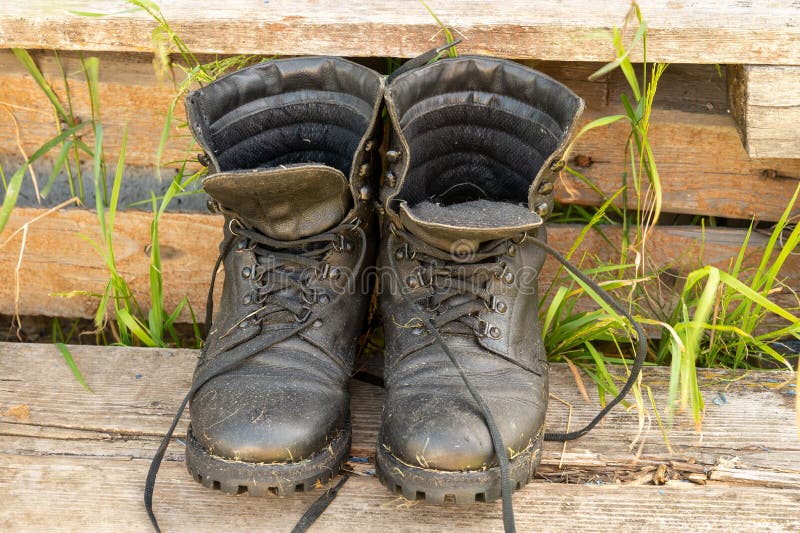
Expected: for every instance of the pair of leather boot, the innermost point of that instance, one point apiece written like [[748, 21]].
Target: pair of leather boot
[[296, 167]]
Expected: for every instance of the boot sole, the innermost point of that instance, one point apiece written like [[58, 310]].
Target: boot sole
[[463, 487], [266, 479]]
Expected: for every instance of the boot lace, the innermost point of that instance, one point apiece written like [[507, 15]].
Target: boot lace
[[286, 306], [455, 289], [465, 313]]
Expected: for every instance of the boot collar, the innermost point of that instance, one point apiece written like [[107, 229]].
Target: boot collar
[[540, 191]]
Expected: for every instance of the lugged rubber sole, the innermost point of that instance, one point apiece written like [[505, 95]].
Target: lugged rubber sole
[[266, 479], [464, 487]]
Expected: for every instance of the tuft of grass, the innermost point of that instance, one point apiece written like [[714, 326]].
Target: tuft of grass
[[721, 316], [118, 311]]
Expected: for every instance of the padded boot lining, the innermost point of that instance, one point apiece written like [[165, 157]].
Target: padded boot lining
[[288, 112], [478, 129]]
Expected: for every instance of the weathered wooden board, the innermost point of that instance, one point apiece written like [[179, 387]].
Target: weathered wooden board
[[57, 436], [703, 167], [679, 31], [766, 105], [70, 494], [57, 259]]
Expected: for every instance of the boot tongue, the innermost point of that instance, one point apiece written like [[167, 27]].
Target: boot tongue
[[461, 228], [286, 203]]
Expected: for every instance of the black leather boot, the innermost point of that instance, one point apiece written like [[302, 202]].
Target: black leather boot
[[476, 147], [292, 147]]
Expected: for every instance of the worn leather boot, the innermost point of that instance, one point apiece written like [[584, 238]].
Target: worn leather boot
[[475, 149], [292, 148]]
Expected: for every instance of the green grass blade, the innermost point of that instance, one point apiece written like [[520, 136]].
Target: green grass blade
[[71, 364], [115, 188], [136, 328], [597, 123], [757, 298], [156, 313], [27, 61], [57, 166], [99, 184]]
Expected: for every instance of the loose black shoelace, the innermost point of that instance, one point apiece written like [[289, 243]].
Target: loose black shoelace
[[272, 277], [434, 325]]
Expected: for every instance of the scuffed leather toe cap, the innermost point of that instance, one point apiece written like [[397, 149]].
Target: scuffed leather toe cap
[[444, 429], [248, 415]]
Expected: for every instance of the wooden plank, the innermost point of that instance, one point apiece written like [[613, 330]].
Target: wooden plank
[[189, 250], [98, 447], [136, 390], [766, 105], [106, 495], [702, 164], [701, 161], [679, 31]]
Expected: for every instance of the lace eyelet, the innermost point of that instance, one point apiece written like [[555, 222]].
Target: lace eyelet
[[246, 271], [303, 316], [324, 299], [342, 244], [485, 329], [496, 305]]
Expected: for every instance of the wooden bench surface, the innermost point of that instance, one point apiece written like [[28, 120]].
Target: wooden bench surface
[[71, 460], [680, 31]]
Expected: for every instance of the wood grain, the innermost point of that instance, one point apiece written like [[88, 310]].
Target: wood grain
[[703, 167], [98, 447], [57, 259], [766, 105], [679, 31]]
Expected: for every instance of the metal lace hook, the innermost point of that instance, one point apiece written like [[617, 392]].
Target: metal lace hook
[[230, 226]]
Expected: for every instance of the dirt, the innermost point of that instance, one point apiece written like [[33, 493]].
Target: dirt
[[21, 412]]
